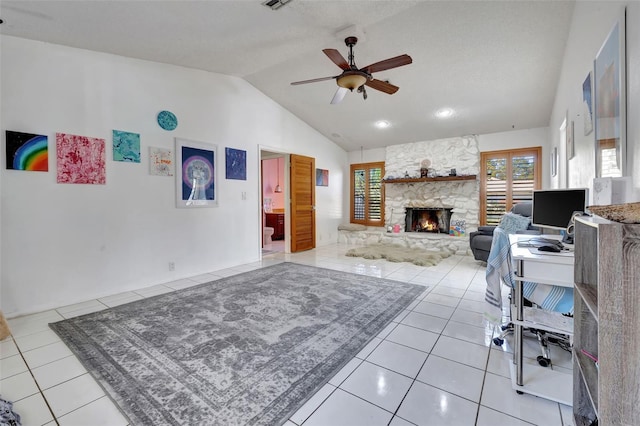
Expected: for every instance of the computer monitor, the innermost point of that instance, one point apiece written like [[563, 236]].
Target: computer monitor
[[553, 208]]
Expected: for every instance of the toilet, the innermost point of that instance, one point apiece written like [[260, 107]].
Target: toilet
[[267, 232]]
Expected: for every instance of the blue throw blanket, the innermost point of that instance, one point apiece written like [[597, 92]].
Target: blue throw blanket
[[499, 269]]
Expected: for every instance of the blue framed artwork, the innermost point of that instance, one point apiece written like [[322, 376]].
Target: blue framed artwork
[[126, 146], [236, 164], [322, 177], [587, 105], [609, 91], [196, 178]]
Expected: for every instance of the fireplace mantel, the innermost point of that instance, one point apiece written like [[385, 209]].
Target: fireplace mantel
[[428, 179]]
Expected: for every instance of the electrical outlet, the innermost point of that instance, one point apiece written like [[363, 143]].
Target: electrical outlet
[[172, 266]]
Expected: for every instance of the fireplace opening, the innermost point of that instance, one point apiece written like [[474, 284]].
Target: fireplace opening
[[427, 219]]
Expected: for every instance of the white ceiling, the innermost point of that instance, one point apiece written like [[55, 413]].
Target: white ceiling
[[496, 63]]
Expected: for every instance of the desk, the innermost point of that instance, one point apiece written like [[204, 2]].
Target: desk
[[543, 268]]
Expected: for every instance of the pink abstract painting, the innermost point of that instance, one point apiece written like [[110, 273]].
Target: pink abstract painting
[[80, 159]]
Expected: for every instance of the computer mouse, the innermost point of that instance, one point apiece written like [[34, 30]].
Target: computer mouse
[[549, 248]]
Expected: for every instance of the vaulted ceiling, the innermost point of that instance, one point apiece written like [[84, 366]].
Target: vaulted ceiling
[[494, 63]]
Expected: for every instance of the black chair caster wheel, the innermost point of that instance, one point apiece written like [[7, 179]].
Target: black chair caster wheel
[[544, 362], [498, 341], [519, 392]]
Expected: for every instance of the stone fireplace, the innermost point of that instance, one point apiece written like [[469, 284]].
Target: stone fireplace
[[427, 219], [409, 196]]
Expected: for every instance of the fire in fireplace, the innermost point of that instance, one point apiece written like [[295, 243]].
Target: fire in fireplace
[[427, 219]]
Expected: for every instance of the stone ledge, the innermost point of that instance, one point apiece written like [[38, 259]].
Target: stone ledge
[[426, 241]]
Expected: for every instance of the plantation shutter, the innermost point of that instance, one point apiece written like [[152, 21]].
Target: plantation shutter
[[507, 178], [375, 194], [367, 198]]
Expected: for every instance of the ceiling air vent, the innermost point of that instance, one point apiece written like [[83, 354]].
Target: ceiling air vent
[[275, 4]]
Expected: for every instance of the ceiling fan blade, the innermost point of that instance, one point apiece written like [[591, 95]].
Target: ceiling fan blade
[[382, 86], [339, 96], [313, 80], [387, 64], [337, 58]]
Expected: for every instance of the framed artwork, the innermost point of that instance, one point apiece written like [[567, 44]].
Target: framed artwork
[[322, 177], [554, 162], [27, 151], [80, 159], [126, 146], [236, 164], [609, 104], [161, 162], [570, 141], [587, 104], [196, 181]]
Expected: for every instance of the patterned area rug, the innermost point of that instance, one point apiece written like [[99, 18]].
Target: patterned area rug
[[247, 349]]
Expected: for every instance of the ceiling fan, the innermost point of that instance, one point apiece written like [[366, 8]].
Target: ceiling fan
[[353, 77]]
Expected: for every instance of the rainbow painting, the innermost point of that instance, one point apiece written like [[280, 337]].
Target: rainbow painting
[[26, 151]]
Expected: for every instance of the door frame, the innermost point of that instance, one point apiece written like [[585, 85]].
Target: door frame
[[285, 184]]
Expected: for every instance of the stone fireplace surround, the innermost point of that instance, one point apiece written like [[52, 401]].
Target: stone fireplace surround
[[462, 197]]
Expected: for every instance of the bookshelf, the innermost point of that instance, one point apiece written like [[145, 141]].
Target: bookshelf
[[606, 322]]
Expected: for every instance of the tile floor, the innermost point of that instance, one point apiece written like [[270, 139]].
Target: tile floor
[[433, 365]]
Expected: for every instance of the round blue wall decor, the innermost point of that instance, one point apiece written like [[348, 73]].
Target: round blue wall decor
[[167, 120]]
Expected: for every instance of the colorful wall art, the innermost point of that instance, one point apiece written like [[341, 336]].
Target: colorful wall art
[[80, 159], [126, 146], [322, 177], [27, 151], [196, 179], [236, 162], [161, 162]]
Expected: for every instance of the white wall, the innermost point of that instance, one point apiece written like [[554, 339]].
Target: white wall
[[515, 139], [490, 142], [590, 26], [65, 243], [367, 155]]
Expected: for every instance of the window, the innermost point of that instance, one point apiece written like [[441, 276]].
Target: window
[[367, 195], [507, 178]]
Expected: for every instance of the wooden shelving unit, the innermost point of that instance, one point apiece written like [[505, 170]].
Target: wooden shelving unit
[[606, 322], [433, 179]]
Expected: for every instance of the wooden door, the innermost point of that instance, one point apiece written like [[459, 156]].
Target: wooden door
[[303, 203]]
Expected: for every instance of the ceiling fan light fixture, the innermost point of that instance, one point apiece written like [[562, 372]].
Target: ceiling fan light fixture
[[351, 80]]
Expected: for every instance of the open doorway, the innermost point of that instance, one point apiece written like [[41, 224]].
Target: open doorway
[[273, 196]]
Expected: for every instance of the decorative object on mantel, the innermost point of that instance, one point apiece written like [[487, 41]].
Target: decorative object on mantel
[[396, 253], [623, 213], [424, 168], [428, 179]]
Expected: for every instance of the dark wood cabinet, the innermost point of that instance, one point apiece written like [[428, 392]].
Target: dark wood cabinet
[[276, 221]]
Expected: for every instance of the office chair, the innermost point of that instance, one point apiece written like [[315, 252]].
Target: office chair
[[544, 337]]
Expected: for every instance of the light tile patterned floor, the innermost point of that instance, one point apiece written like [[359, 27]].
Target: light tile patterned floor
[[433, 365]]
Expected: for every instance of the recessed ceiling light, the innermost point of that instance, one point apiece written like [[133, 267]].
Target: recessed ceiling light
[[444, 113], [382, 124]]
